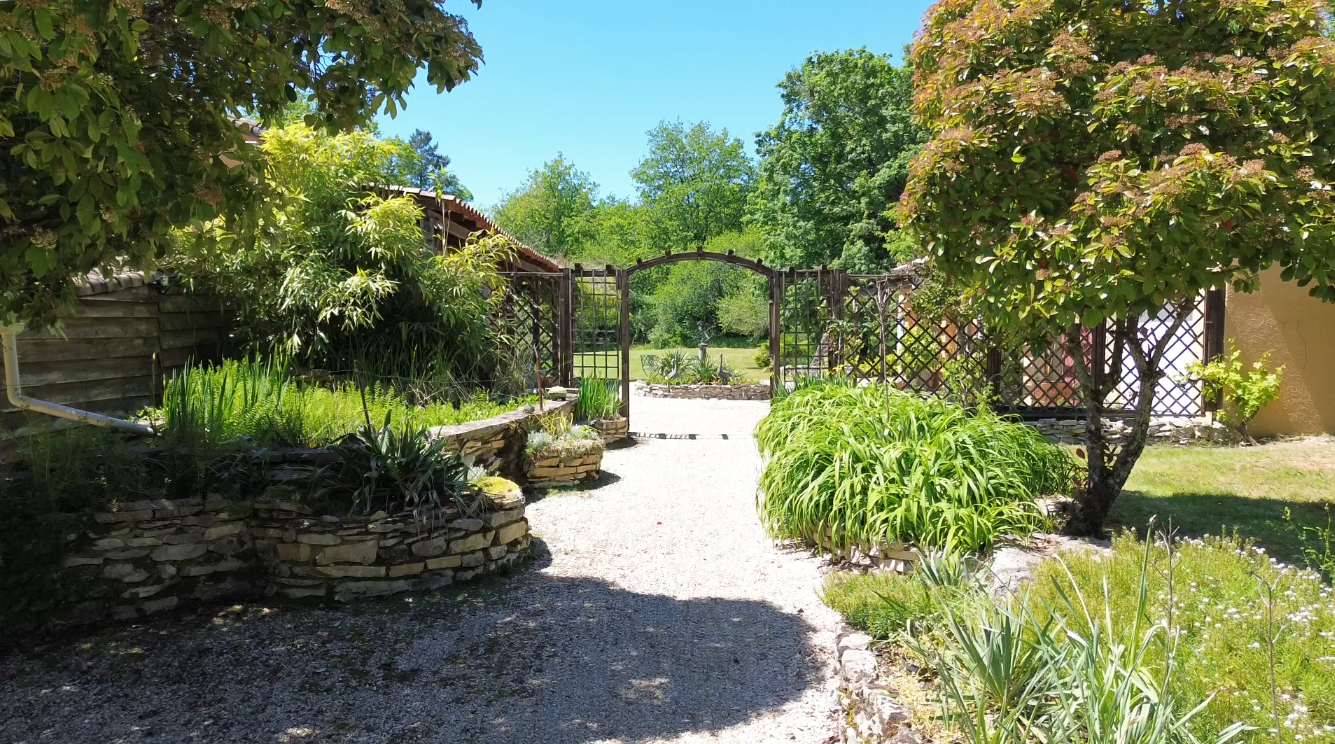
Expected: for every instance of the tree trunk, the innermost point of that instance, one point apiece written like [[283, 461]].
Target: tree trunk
[[1108, 472]]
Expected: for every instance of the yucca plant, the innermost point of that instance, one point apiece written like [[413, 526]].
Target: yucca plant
[[864, 467], [395, 468], [598, 400]]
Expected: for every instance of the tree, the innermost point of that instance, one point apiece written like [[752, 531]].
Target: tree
[[693, 184], [120, 119], [433, 168], [1096, 161], [833, 168], [333, 274], [545, 212]]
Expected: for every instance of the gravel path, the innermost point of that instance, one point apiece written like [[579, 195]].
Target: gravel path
[[658, 613]]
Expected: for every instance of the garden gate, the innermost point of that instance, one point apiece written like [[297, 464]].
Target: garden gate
[[822, 322]]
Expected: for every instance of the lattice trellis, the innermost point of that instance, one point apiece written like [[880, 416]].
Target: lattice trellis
[[529, 322], [575, 326]]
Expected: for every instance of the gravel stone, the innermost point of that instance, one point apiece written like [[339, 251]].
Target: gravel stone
[[655, 610]]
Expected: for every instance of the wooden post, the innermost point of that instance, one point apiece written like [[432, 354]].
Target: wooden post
[[994, 373], [567, 330], [1213, 346], [623, 284], [775, 379]]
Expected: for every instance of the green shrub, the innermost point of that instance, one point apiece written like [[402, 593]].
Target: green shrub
[[867, 466], [762, 358], [598, 400], [744, 314], [575, 441], [1241, 392]]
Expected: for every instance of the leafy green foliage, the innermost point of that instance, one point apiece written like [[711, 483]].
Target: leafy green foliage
[[865, 467], [205, 408], [598, 400], [763, 359], [1099, 161], [833, 168], [1241, 392], [119, 122], [545, 212], [332, 273], [395, 468], [744, 313], [1151, 643], [693, 184]]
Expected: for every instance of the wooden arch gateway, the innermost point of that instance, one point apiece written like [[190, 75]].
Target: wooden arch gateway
[[575, 325]]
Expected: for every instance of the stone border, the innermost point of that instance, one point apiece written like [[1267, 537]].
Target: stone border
[[1175, 429], [497, 443], [748, 391], [868, 711]]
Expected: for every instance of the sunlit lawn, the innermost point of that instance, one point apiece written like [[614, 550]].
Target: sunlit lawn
[[1205, 490], [741, 360]]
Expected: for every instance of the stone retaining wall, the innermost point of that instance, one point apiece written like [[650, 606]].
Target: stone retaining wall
[[149, 556], [553, 472], [1176, 429], [497, 443], [750, 391], [307, 556]]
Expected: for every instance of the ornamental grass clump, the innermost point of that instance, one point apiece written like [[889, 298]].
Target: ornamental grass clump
[[598, 400], [864, 467]]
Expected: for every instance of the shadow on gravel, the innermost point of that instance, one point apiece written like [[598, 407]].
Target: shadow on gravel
[[524, 658]]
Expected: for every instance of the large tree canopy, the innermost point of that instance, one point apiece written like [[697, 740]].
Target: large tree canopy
[[119, 118], [693, 184], [833, 168], [546, 211], [1097, 160]]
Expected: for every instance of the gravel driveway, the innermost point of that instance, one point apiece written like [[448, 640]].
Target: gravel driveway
[[657, 612]]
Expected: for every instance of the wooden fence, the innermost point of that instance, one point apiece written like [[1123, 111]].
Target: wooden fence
[[113, 350]]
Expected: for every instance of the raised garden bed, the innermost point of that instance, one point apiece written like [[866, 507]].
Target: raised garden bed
[[613, 430]]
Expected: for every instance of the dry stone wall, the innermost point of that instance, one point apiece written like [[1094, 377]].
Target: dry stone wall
[[1173, 429], [149, 556], [569, 470], [326, 556], [750, 391], [612, 430]]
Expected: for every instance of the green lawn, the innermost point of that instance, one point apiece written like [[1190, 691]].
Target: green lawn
[[741, 360], [1204, 490]]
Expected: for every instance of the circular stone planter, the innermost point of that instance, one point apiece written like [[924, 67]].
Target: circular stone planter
[[555, 471], [613, 430]]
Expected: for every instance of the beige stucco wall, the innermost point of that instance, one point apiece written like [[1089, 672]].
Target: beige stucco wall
[[1299, 332]]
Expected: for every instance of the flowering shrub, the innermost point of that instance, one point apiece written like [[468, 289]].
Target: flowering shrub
[[1096, 161]]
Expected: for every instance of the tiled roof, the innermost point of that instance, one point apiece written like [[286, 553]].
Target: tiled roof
[[455, 205]]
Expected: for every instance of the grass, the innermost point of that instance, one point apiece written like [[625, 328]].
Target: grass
[[742, 360], [863, 467], [1148, 633], [1204, 490], [207, 407]]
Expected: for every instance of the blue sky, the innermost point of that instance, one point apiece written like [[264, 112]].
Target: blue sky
[[589, 77]]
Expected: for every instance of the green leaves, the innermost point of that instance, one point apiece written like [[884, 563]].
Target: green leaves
[[1101, 159], [93, 103]]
